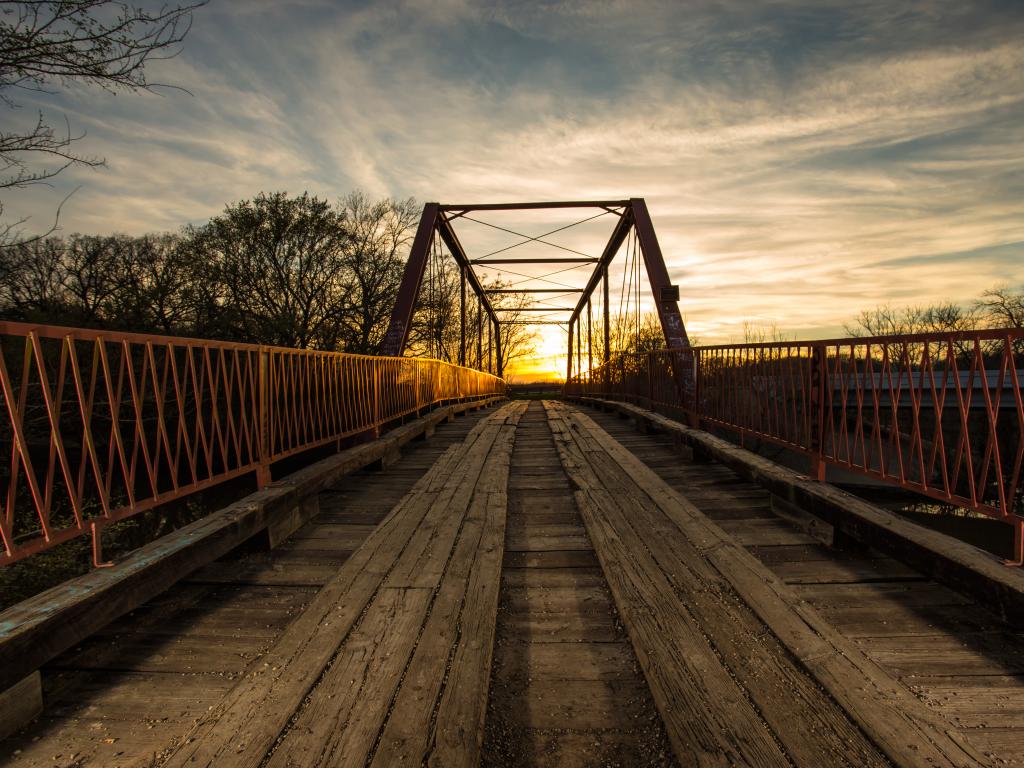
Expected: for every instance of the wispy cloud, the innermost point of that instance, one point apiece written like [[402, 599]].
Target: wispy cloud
[[802, 160]]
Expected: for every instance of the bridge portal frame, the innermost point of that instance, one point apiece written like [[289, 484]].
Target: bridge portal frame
[[634, 216]]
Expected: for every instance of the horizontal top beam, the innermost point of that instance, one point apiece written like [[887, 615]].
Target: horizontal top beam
[[533, 290], [533, 322], [534, 309], [532, 206], [554, 260]]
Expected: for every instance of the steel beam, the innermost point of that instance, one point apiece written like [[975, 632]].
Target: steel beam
[[607, 321], [533, 309], [533, 290], [666, 295], [533, 322], [532, 206], [462, 315], [614, 243], [405, 304], [554, 260]]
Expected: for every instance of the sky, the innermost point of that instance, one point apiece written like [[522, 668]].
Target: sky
[[802, 161]]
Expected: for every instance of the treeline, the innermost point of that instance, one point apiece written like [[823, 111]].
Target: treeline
[[998, 307], [294, 271]]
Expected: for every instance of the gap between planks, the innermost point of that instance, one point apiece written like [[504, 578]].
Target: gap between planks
[[617, 491], [395, 575]]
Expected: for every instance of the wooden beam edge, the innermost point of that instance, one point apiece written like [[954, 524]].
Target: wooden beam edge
[[40, 628], [852, 678], [958, 565]]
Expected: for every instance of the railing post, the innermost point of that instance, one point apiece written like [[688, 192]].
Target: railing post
[[376, 398], [817, 405], [1017, 555], [263, 477], [650, 380], [695, 404]]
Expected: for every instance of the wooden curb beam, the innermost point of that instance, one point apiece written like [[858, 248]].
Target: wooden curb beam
[[322, 692], [899, 724], [38, 629], [949, 561]]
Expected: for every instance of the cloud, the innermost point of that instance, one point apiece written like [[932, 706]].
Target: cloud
[[802, 161]]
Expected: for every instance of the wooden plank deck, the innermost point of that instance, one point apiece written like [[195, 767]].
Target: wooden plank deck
[[951, 653], [566, 689], [130, 694], [534, 586]]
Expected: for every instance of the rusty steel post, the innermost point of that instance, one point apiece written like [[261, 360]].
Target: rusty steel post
[[694, 413], [579, 349], [263, 478], [479, 334], [607, 320], [462, 314], [1017, 554], [650, 380], [376, 399], [568, 355], [499, 363], [666, 295], [590, 338], [401, 316], [818, 380]]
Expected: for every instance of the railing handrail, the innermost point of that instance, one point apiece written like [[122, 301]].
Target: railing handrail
[[985, 334], [101, 425], [936, 413], [17, 328]]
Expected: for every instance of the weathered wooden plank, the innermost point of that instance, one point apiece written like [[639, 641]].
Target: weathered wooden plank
[[708, 716], [764, 533], [580, 704], [39, 629], [366, 672], [896, 721], [941, 557], [984, 702], [571, 558], [557, 697], [407, 730], [410, 708], [572, 661], [20, 704], [541, 577], [459, 720], [812, 728], [273, 691]]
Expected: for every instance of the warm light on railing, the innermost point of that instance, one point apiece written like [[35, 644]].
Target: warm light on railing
[[939, 414], [98, 426]]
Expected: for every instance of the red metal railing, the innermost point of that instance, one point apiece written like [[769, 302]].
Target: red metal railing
[[99, 426], [939, 414]]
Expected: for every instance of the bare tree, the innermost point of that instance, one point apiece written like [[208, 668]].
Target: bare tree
[[518, 340], [759, 334], [886, 320], [44, 44], [280, 264], [31, 280], [1002, 307], [374, 259]]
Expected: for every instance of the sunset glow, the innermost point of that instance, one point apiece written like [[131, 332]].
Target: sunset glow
[[801, 162]]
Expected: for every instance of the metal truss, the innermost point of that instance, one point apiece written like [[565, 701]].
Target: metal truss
[[633, 216]]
